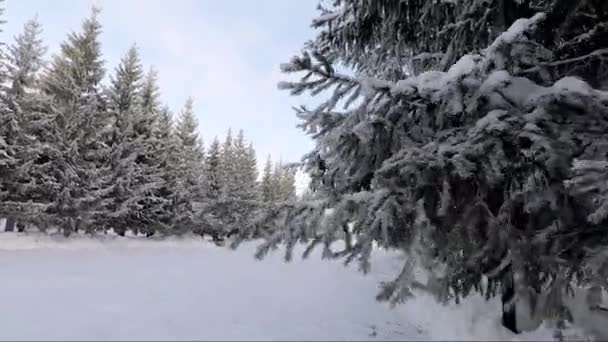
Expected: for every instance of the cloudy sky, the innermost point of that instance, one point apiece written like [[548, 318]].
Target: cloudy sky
[[226, 54]]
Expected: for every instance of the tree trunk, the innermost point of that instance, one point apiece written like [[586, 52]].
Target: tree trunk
[[10, 224], [508, 311]]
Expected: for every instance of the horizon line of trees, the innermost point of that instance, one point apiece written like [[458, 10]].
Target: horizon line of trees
[[78, 155]]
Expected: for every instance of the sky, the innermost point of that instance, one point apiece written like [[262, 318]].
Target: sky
[[225, 54]]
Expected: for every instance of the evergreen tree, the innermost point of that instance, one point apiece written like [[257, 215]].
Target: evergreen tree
[[232, 198], [213, 172], [25, 60], [238, 151], [242, 196], [124, 107], [466, 144], [150, 96], [79, 171], [276, 182], [168, 167], [161, 146], [244, 170], [190, 160], [266, 188], [23, 127], [210, 214], [251, 173], [284, 180], [224, 210], [150, 161], [7, 161], [228, 166]]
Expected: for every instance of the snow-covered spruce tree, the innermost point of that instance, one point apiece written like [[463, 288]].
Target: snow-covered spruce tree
[[136, 155], [208, 216], [124, 109], [190, 156], [213, 175], [283, 183], [151, 160], [168, 165], [223, 208], [7, 159], [228, 164], [245, 168], [251, 174], [24, 124], [241, 191], [266, 185], [277, 183], [150, 97], [471, 148], [79, 169], [216, 214], [275, 192]]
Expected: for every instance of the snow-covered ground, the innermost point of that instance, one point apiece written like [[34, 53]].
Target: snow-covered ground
[[137, 289]]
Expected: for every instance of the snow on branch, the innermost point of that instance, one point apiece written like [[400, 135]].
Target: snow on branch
[[591, 179], [424, 84]]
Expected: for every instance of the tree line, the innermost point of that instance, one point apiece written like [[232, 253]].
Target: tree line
[[78, 155]]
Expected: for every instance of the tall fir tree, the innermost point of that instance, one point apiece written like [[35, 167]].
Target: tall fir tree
[[252, 198], [213, 172], [150, 96], [26, 126], [168, 167], [244, 169], [282, 183], [228, 165], [7, 160], [79, 170], [276, 182], [250, 166], [226, 211], [150, 161], [25, 60], [241, 196], [210, 213], [238, 149], [190, 160], [266, 183], [284, 180], [124, 108]]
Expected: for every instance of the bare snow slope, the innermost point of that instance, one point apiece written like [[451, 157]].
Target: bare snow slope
[[134, 289]]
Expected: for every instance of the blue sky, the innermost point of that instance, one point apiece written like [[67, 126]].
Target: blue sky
[[226, 54]]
